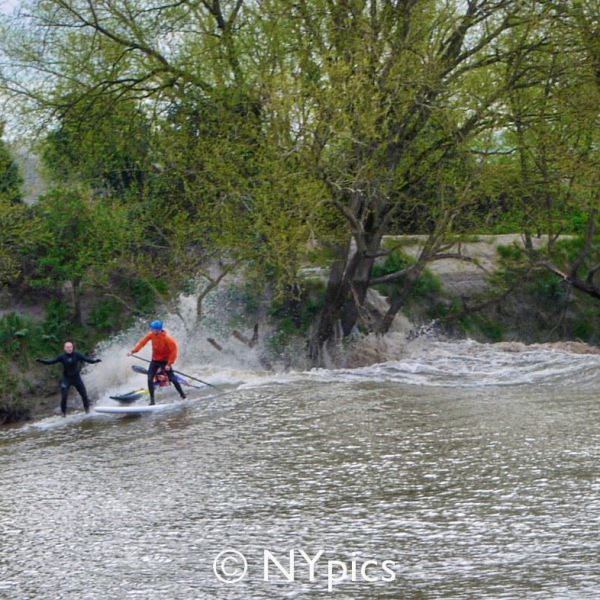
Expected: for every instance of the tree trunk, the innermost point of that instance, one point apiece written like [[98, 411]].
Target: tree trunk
[[398, 302], [347, 289], [76, 298], [335, 294], [350, 311]]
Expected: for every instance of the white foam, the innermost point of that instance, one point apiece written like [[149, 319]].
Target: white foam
[[468, 364], [424, 361]]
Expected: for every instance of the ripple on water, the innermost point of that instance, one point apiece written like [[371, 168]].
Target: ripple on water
[[474, 492]]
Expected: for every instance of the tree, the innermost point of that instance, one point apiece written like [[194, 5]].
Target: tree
[[203, 101], [385, 96], [106, 145], [14, 226], [550, 159], [17, 231], [11, 181], [81, 242]]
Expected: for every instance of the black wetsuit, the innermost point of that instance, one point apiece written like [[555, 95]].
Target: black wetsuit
[[71, 366], [153, 369]]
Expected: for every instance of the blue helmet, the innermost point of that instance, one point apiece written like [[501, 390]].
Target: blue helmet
[[158, 325]]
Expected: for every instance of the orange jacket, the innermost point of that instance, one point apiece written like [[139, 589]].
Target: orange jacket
[[164, 347]]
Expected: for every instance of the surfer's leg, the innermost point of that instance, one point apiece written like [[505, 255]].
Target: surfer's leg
[[152, 369], [64, 392], [173, 380], [80, 387]]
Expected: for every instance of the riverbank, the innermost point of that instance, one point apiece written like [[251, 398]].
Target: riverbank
[[39, 398]]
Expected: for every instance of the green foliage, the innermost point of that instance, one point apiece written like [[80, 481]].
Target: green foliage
[[294, 314], [544, 286], [426, 287], [480, 326], [247, 296], [291, 123], [56, 323], [15, 333], [105, 316], [565, 251], [103, 144], [81, 241], [492, 330], [16, 229], [78, 236], [18, 232], [143, 295], [22, 338], [14, 404], [11, 181], [511, 252], [583, 329], [544, 307]]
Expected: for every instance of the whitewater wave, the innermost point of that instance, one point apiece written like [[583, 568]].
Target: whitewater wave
[[424, 363], [398, 357], [459, 364], [471, 364], [428, 362]]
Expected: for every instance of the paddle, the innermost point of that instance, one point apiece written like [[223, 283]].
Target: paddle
[[180, 373], [143, 371]]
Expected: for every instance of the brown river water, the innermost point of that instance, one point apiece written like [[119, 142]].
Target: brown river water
[[462, 471]]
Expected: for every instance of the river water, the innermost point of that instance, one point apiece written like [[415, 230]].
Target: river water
[[472, 470]]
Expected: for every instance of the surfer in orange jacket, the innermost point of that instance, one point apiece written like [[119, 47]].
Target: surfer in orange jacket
[[164, 354]]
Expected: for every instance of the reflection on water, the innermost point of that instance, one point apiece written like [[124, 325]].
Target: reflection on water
[[474, 492]]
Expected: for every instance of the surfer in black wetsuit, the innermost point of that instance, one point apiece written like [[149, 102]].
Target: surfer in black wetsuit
[[71, 362]]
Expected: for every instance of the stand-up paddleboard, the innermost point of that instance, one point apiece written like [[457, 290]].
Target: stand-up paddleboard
[[127, 401], [137, 409]]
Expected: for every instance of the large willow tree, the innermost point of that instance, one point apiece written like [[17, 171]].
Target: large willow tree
[[392, 94]]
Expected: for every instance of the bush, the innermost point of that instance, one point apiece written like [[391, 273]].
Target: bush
[[105, 316], [426, 286], [583, 330], [294, 316], [13, 405], [143, 295], [511, 252]]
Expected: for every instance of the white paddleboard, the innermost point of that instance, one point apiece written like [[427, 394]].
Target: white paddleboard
[[134, 410]]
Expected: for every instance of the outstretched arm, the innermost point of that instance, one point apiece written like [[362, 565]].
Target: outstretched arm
[[88, 359], [140, 344], [49, 361]]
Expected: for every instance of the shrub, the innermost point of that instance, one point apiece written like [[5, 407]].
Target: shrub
[[426, 286]]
